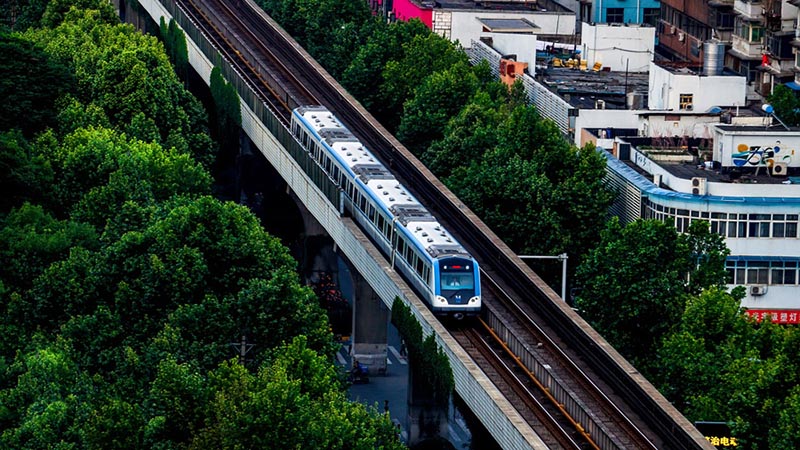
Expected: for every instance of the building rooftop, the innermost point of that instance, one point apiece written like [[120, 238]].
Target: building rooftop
[[688, 68], [508, 25], [533, 6], [693, 167], [582, 88]]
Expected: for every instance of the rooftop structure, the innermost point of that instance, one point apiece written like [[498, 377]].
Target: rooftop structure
[[465, 20], [589, 89]]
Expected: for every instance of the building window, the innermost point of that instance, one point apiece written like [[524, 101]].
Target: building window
[[686, 102], [615, 15], [651, 15]]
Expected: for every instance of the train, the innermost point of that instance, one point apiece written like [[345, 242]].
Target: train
[[431, 260]]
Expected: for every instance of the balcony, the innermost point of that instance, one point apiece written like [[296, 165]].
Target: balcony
[[744, 49], [753, 10]]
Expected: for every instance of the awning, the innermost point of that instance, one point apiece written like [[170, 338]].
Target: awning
[[792, 85]]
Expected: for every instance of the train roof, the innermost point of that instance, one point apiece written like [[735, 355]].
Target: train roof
[[382, 184]]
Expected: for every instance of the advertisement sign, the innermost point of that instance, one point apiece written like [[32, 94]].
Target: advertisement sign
[[782, 316]]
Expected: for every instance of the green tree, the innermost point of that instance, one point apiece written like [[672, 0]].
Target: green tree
[[365, 72], [467, 136], [56, 11], [422, 56], [294, 401], [31, 84], [786, 105], [48, 403], [98, 170], [439, 97], [633, 286], [31, 239], [708, 252], [691, 358], [129, 77], [24, 175], [175, 45]]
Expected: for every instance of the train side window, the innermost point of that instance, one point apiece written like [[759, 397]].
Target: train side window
[[371, 213], [426, 274], [336, 174], [420, 263], [362, 203], [380, 222]]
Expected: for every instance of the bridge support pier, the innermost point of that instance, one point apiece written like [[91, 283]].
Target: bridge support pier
[[369, 327], [426, 419]]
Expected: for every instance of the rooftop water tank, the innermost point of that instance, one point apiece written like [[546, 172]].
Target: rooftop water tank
[[713, 58]]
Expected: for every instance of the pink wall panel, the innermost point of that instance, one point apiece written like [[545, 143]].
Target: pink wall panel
[[407, 10]]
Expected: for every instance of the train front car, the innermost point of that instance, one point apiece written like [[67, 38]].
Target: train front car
[[457, 290]]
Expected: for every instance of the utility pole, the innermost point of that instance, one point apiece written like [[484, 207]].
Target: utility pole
[[243, 347], [563, 258]]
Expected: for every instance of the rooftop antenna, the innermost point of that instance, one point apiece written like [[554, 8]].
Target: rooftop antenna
[[767, 108]]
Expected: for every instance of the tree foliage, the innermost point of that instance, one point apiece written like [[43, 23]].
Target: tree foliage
[[31, 84], [786, 104], [429, 366], [632, 286], [720, 366], [128, 76]]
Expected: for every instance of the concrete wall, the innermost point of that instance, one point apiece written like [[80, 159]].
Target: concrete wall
[[603, 118], [618, 47], [522, 45], [667, 86], [696, 126], [784, 145]]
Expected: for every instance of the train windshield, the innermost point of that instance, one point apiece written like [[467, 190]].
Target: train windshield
[[457, 276]]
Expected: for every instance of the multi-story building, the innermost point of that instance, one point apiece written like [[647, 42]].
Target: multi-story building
[[758, 34], [778, 59], [625, 11], [686, 24], [737, 181]]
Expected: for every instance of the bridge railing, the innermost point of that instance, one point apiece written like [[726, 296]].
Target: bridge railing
[[247, 95]]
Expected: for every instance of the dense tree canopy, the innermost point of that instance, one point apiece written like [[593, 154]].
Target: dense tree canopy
[[31, 84], [128, 76], [125, 283], [632, 285]]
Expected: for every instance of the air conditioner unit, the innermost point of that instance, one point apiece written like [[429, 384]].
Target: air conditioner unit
[[758, 289], [699, 186], [672, 30], [779, 169], [681, 37]]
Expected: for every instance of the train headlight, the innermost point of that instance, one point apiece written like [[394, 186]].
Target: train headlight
[[475, 299], [440, 299]]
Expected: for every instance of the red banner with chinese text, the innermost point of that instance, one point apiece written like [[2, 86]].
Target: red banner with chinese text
[[782, 316]]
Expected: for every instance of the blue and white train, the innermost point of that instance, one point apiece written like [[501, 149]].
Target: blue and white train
[[439, 268]]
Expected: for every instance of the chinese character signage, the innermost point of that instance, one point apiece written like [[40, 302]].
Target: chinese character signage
[[717, 434], [781, 316]]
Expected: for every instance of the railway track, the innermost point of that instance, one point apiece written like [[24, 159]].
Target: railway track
[[526, 329]]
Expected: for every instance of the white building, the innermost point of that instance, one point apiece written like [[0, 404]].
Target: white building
[[754, 205], [618, 46], [684, 89]]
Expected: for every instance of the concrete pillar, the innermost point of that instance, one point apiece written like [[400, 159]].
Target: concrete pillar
[[369, 327], [426, 419]]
